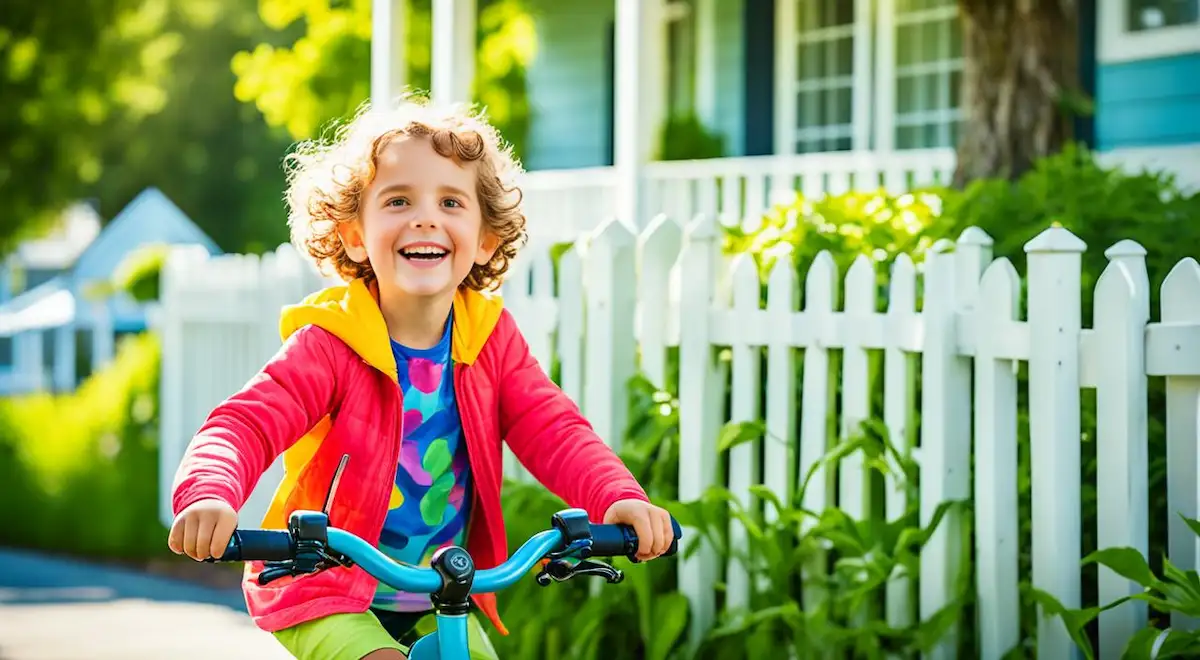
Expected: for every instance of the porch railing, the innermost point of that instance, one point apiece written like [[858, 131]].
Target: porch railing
[[563, 203]]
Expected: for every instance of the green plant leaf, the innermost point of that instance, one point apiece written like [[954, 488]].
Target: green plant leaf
[[738, 433], [670, 618], [1126, 562]]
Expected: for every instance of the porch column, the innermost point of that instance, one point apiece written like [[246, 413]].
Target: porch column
[[102, 337], [453, 60], [64, 357], [639, 94], [389, 66], [29, 369]]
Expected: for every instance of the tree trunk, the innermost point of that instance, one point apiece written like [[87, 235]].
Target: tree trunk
[[1020, 84]]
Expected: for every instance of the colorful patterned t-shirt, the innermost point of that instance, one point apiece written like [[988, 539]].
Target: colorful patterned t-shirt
[[431, 496]]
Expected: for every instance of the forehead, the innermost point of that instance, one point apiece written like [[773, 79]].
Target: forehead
[[413, 160]]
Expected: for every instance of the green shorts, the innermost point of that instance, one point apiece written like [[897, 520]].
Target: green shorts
[[352, 636]]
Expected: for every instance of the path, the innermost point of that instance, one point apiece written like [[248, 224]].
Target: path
[[56, 609]]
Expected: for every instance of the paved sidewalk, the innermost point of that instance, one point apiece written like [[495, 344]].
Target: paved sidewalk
[[56, 609]]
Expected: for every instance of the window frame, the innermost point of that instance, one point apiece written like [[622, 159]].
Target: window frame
[[1115, 43], [874, 118]]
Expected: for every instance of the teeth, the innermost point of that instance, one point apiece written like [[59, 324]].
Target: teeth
[[424, 249]]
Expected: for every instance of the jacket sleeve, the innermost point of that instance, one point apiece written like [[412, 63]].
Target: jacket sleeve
[[551, 438], [245, 433]]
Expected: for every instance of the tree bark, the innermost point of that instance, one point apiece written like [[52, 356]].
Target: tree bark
[[1020, 84]]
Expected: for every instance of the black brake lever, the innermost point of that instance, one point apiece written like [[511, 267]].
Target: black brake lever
[[561, 570]]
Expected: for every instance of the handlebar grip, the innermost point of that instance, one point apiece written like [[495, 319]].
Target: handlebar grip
[[259, 545], [622, 540]]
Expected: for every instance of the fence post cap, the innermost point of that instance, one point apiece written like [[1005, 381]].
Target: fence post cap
[[701, 227], [1125, 248], [975, 236], [1055, 239], [613, 231]]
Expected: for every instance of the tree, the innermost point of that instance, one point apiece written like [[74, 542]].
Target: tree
[[69, 77], [324, 75], [212, 155], [1021, 89]]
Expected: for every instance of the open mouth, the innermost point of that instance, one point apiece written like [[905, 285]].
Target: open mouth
[[423, 252]]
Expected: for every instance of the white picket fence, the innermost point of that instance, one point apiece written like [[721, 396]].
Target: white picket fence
[[619, 300]]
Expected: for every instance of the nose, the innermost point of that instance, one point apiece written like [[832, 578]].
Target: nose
[[425, 218]]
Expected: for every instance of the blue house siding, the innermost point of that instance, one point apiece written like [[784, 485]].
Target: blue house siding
[[1148, 102], [569, 86]]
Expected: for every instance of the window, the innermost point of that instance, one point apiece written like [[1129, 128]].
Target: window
[[838, 91], [1130, 30], [1154, 14], [928, 74], [824, 89]]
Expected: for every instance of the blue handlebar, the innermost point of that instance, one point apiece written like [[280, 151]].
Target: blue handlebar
[[412, 579], [309, 545]]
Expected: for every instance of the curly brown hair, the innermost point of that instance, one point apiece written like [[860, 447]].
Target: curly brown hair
[[326, 180]]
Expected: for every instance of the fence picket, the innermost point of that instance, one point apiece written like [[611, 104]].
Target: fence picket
[[820, 296], [853, 496], [1181, 305], [657, 249], [1054, 426], [701, 382], [1121, 311], [945, 440], [742, 300], [902, 323], [997, 546]]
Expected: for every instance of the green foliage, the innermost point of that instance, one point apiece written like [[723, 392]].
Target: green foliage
[[137, 274], [324, 74], [84, 465], [685, 137], [818, 577], [642, 617], [68, 78], [874, 224], [1172, 591], [1100, 204], [212, 155]]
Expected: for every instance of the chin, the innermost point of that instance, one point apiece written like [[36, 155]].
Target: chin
[[421, 289]]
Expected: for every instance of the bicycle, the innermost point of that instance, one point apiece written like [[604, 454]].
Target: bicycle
[[310, 545]]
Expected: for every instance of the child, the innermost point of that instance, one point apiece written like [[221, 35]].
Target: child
[[414, 370]]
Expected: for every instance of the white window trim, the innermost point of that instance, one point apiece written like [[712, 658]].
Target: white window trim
[[1115, 43], [786, 88]]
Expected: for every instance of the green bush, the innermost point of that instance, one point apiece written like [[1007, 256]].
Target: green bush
[[80, 470]]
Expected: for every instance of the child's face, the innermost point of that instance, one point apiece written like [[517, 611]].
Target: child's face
[[421, 224]]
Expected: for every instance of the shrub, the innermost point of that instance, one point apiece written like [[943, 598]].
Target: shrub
[[84, 465]]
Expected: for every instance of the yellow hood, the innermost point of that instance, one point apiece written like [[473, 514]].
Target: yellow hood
[[351, 313]]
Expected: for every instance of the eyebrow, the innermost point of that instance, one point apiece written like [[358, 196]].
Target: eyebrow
[[403, 187]]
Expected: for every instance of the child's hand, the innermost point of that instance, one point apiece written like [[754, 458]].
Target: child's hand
[[652, 524], [203, 529]]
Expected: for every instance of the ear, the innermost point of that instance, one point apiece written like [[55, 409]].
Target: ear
[[351, 236], [488, 244]]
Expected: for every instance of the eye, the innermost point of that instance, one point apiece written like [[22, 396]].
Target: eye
[[453, 203], [396, 201]]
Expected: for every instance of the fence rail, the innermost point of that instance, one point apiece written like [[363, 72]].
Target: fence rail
[[952, 325]]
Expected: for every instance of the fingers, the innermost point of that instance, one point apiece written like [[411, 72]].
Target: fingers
[[666, 533], [204, 538], [645, 530], [175, 539], [221, 535], [191, 528]]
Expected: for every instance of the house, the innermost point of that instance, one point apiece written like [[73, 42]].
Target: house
[[53, 329], [816, 95]]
